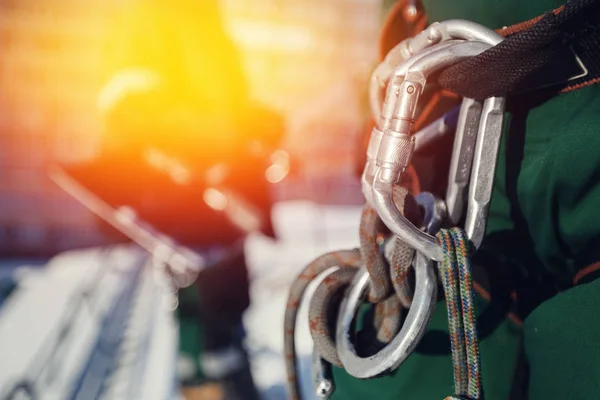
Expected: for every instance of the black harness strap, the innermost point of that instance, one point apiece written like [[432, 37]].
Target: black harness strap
[[561, 50]]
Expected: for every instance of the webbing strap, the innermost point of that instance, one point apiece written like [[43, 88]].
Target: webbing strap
[[559, 49]]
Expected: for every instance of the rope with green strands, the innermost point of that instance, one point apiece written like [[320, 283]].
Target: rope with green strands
[[455, 272]]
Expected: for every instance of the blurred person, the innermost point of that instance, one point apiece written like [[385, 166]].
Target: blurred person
[[183, 143]]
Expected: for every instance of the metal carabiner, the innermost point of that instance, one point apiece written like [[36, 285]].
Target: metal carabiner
[[417, 319], [397, 145], [432, 36], [473, 164], [461, 161], [423, 139], [377, 133], [484, 168], [435, 33], [423, 304]]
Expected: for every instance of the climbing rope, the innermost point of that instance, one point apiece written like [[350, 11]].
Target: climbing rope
[[387, 283], [385, 279], [388, 306], [342, 266], [337, 259], [402, 255], [455, 273]]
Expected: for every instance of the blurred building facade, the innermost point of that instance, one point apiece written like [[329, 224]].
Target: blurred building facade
[[297, 53], [312, 60], [47, 79]]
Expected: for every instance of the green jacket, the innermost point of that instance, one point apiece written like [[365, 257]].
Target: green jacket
[[543, 222]]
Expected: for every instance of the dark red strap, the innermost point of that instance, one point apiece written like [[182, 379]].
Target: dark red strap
[[521, 26], [587, 263]]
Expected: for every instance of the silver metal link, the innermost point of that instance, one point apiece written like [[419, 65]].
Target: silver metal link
[[484, 168], [462, 158]]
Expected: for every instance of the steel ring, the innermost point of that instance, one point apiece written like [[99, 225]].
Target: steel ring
[[413, 329]]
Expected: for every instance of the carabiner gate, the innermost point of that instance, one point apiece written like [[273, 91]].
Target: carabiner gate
[[397, 145]]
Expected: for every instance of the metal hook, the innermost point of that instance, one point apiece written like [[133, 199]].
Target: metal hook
[[397, 145], [436, 37], [377, 134]]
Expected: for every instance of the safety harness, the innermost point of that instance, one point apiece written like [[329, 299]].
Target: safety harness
[[559, 50]]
